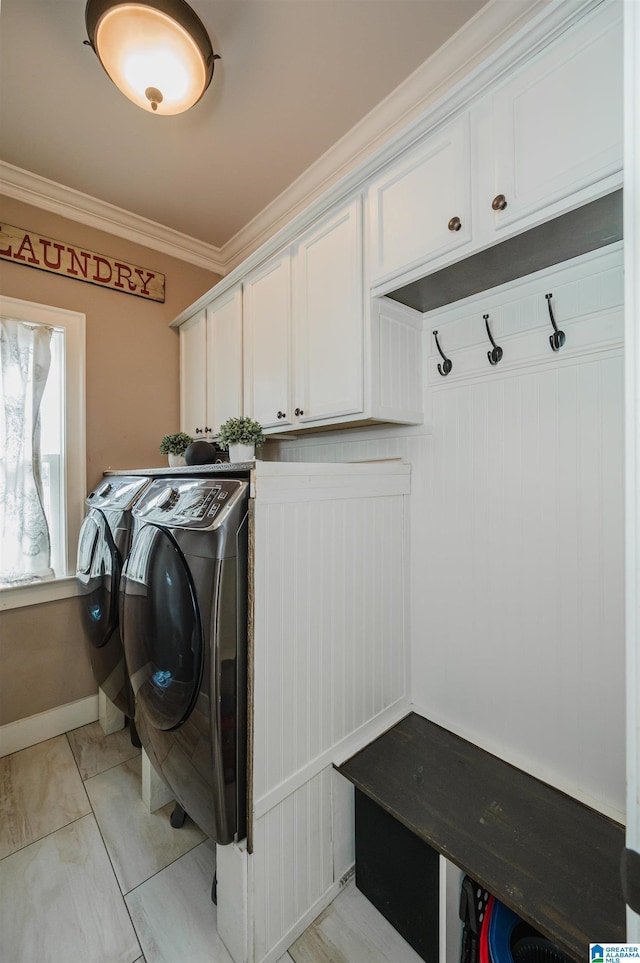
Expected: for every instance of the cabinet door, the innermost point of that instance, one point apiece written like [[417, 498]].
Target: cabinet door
[[267, 343], [328, 330], [419, 208], [224, 359], [193, 374], [557, 125]]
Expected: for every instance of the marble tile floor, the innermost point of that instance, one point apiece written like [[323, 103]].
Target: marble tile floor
[[87, 875]]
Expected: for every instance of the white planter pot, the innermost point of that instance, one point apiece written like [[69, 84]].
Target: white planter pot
[[238, 453], [176, 461]]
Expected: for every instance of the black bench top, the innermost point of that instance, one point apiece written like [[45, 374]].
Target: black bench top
[[548, 857]]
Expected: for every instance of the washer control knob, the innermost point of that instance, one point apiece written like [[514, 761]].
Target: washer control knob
[[168, 499], [106, 488]]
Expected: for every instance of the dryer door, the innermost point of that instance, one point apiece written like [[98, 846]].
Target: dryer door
[[162, 629], [98, 575]]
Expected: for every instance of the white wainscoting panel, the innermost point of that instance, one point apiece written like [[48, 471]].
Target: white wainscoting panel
[[329, 674], [396, 346], [329, 626], [292, 862]]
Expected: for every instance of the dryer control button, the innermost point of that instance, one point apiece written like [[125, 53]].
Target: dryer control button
[[104, 491]]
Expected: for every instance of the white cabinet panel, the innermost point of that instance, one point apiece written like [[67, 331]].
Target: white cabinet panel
[[193, 374], [224, 359], [211, 366], [329, 318], [420, 207], [267, 343], [396, 343], [557, 125]]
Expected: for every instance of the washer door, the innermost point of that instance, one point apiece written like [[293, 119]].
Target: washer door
[[162, 629], [98, 575]]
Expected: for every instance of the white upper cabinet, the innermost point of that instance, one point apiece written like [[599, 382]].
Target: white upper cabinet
[[328, 311], [224, 359], [267, 343], [546, 139], [303, 327], [193, 374], [419, 207], [557, 127], [314, 351], [211, 366]]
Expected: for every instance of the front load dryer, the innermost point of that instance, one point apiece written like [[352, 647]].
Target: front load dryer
[[184, 618], [103, 545]]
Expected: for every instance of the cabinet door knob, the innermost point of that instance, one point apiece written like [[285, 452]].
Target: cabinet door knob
[[281, 414], [298, 411], [198, 431], [499, 202], [208, 431], [454, 224]]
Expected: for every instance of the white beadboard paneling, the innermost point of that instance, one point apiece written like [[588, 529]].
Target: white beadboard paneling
[[292, 861], [525, 581], [397, 342], [343, 825], [329, 626]]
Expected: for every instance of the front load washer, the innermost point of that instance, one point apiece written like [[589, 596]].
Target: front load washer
[[103, 545], [184, 619]]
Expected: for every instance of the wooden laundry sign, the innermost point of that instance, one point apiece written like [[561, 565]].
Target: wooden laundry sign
[[36, 250]]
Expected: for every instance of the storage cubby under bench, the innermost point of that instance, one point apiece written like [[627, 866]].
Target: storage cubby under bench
[[549, 858]]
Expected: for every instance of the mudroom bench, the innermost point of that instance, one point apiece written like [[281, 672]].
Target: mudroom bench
[[549, 858]]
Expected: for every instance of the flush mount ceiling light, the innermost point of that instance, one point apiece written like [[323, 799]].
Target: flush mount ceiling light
[[157, 52]]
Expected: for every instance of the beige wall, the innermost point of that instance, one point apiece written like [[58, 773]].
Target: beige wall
[[132, 354], [132, 400], [42, 659]]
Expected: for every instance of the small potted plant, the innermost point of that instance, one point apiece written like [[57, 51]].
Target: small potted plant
[[241, 436], [175, 446]]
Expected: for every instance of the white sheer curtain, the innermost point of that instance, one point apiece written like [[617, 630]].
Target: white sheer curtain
[[25, 358]]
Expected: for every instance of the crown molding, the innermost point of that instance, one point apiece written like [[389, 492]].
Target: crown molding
[[22, 185], [449, 67]]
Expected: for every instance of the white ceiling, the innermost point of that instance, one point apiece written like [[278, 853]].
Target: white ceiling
[[295, 76]]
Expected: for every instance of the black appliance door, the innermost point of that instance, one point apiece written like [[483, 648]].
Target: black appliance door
[[162, 629], [98, 575]]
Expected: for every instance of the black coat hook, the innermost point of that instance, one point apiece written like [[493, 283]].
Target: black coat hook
[[445, 368], [558, 338], [495, 355]]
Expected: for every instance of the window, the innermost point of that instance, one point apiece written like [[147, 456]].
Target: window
[[62, 447]]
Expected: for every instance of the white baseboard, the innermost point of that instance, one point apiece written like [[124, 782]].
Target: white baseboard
[[45, 725]]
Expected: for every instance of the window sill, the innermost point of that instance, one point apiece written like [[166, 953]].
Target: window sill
[[37, 592]]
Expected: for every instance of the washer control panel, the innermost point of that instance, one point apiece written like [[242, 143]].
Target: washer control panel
[[190, 503], [120, 491]]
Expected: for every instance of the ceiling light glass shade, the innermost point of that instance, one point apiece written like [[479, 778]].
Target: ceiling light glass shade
[[157, 52]]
